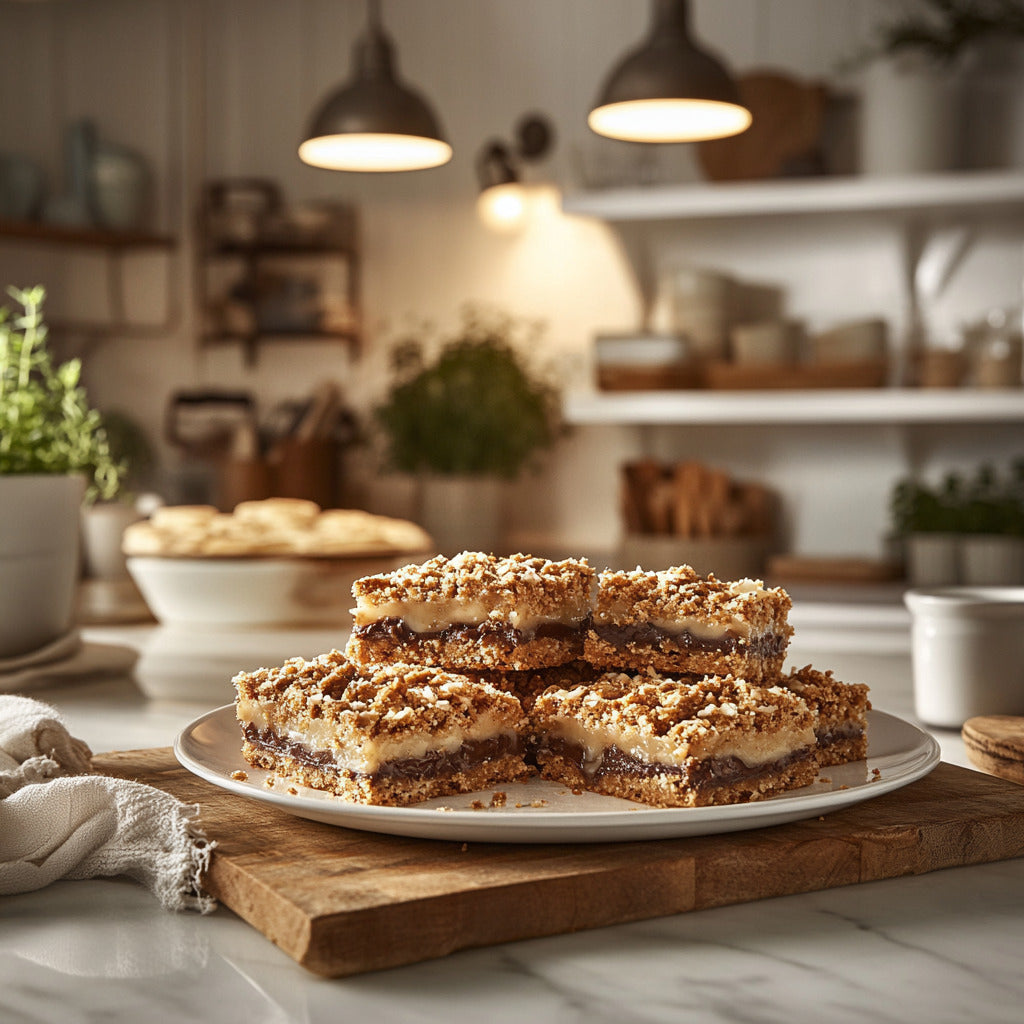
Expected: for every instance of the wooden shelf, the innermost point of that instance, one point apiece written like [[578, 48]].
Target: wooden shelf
[[824, 406], [913, 193], [258, 250], [312, 334], [83, 238]]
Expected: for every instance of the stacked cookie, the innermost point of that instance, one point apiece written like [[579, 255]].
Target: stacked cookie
[[271, 526], [660, 687]]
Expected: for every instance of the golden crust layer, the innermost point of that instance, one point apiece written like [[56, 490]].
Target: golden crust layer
[[496, 651], [365, 789], [638, 595], [519, 583], [667, 656], [368, 703], [684, 711]]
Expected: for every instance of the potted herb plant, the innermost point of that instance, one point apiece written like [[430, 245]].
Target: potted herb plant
[[53, 453], [968, 530], [925, 519], [465, 420], [992, 525]]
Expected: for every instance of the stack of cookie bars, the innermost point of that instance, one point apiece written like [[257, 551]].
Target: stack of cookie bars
[[463, 673]]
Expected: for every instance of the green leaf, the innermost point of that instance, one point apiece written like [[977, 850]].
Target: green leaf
[[46, 423]]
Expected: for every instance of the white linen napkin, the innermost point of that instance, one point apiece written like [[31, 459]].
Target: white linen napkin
[[59, 821]]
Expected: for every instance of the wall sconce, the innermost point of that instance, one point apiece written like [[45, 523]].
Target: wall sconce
[[503, 201], [668, 89], [374, 122]]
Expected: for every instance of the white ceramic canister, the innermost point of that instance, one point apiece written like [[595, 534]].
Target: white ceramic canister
[[39, 559], [967, 645]]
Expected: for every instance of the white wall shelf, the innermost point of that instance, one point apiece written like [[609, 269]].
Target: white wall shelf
[[823, 406], [911, 194]]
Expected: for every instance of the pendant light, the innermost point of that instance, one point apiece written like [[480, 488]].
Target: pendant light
[[374, 122], [668, 89]]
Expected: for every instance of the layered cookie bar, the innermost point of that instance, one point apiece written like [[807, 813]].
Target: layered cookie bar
[[675, 620], [674, 742], [840, 714], [394, 735], [474, 611]]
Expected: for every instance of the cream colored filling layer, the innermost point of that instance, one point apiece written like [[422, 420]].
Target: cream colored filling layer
[[367, 755], [753, 749], [429, 616], [700, 628]]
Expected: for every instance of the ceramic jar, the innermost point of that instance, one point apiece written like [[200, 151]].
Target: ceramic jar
[[39, 559]]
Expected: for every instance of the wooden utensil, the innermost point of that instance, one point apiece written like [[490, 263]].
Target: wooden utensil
[[995, 744]]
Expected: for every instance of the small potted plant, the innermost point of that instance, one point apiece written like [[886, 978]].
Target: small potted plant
[[926, 520], [465, 420], [53, 452], [992, 521], [969, 530]]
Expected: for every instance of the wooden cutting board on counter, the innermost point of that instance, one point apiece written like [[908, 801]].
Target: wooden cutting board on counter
[[342, 902]]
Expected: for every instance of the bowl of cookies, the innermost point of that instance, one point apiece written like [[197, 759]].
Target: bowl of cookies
[[272, 562]]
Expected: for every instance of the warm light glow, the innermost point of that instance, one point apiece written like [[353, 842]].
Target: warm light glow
[[503, 207], [669, 120], [374, 152]]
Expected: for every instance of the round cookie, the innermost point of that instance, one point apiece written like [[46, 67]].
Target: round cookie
[[182, 517], [278, 510]]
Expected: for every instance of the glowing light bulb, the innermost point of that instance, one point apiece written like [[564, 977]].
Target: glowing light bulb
[[503, 208], [374, 152], [669, 120]]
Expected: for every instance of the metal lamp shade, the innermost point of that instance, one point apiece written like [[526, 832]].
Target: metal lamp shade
[[669, 89], [375, 122]]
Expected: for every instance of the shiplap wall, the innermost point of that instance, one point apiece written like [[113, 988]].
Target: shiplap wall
[[219, 88]]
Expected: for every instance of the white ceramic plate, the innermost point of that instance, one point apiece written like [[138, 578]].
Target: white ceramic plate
[[545, 812]]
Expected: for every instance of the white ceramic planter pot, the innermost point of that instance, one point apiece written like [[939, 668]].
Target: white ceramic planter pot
[[933, 559], [39, 559], [103, 527], [991, 560], [463, 513], [994, 105], [910, 121], [968, 653]]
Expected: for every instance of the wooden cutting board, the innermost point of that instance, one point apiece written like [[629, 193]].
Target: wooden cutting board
[[342, 902]]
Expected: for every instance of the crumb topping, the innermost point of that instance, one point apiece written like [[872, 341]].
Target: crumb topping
[[516, 582], [680, 710], [376, 701], [638, 595], [826, 695]]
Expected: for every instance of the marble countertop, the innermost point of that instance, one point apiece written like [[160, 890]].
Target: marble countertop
[[937, 947]]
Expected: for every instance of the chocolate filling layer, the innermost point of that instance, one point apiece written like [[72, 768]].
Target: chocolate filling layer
[[433, 764], [697, 775], [667, 641], [846, 732], [393, 628]]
